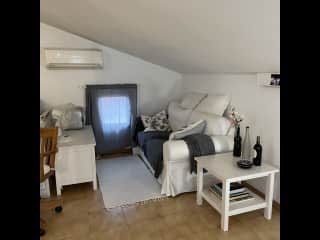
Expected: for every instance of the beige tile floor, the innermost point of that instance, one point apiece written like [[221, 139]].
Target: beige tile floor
[[84, 217]]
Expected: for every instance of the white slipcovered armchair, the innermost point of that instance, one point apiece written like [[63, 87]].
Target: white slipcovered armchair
[[176, 177]]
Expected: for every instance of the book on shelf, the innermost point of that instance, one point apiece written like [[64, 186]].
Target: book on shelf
[[235, 187], [216, 194], [242, 199], [245, 197], [233, 197]]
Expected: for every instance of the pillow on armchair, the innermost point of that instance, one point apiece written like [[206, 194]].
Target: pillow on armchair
[[157, 122], [214, 104], [178, 116], [215, 124], [140, 137], [193, 128], [192, 99]]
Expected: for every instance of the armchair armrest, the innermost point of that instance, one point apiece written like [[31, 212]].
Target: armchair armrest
[[177, 150]]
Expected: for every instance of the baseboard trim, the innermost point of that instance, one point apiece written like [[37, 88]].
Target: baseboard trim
[[119, 153], [275, 204]]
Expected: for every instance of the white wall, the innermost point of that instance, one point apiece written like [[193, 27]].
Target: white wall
[[260, 105], [156, 85]]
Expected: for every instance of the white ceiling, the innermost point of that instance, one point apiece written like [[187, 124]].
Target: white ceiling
[[199, 36]]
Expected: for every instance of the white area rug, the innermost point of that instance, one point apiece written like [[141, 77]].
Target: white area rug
[[126, 180]]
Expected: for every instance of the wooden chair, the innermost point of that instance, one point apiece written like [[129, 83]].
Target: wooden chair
[[48, 150]]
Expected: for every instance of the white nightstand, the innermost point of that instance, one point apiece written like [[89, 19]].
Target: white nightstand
[[75, 160]]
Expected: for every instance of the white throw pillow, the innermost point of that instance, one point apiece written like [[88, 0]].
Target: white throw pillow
[[178, 116], [157, 122], [193, 128], [192, 99], [214, 104], [215, 124]]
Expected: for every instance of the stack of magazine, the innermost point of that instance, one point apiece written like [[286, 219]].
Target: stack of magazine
[[238, 192]]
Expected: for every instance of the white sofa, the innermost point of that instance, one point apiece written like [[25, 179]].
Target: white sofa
[[176, 177]]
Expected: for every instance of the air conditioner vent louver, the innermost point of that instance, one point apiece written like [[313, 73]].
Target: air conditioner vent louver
[[73, 58]]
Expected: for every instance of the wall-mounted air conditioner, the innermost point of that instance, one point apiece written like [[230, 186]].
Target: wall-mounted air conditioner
[[73, 58]]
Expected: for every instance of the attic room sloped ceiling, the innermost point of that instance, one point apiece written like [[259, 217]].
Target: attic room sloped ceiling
[[207, 36]]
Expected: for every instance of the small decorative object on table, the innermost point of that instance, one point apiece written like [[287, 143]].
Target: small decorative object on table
[[244, 163], [236, 118], [257, 152], [275, 79]]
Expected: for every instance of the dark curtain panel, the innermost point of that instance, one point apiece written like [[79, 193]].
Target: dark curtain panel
[[112, 110]]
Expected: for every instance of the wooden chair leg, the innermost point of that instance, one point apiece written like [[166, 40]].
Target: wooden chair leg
[[51, 203], [52, 185], [43, 224]]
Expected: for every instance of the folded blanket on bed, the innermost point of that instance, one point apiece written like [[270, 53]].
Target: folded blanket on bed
[[199, 145]]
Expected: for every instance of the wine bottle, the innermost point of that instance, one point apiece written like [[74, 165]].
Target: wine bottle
[[237, 143], [257, 152], [246, 148]]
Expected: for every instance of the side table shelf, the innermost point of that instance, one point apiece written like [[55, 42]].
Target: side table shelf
[[236, 207]]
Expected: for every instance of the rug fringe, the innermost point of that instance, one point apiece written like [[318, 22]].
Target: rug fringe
[[143, 202]]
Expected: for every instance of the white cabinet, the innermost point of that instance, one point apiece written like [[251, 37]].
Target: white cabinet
[[75, 160]]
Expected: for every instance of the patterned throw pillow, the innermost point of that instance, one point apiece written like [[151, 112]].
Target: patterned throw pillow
[[146, 120], [158, 122]]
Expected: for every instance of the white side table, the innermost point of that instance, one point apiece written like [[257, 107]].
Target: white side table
[[224, 167]]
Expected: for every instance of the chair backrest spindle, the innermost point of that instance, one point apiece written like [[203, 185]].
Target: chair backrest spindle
[[48, 150]]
